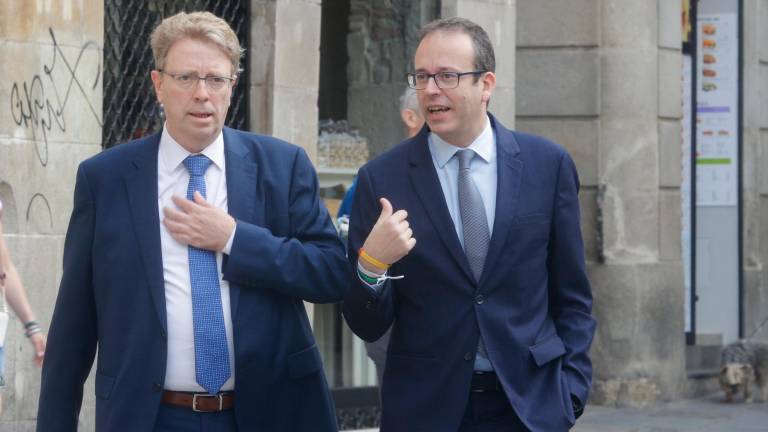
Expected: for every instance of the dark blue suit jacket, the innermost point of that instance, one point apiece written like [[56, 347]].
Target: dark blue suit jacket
[[532, 304], [112, 292]]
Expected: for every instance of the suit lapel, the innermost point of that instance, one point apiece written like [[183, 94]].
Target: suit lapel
[[510, 170], [242, 197], [427, 186], [141, 184]]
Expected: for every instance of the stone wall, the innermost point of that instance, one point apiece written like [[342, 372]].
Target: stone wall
[[383, 36], [285, 59], [51, 96], [755, 161], [603, 79]]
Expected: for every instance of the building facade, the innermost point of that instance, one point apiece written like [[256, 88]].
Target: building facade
[[619, 83]]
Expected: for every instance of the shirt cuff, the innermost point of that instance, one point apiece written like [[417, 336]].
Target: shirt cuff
[[228, 247], [375, 287]]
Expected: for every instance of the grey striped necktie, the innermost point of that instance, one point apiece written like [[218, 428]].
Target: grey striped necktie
[[473, 219]]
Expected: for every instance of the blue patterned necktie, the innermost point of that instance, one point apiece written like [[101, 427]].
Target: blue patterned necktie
[[211, 353]]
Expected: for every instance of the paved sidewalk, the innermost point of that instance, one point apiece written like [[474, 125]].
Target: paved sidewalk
[[709, 414]]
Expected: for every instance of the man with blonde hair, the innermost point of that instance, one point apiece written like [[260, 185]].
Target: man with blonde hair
[[187, 260]]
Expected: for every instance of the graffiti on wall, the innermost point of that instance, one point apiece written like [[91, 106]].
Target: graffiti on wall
[[42, 103]]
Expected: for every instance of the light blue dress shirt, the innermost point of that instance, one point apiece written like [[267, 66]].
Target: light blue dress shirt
[[483, 171]]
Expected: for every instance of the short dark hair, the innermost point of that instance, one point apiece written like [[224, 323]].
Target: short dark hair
[[485, 59]]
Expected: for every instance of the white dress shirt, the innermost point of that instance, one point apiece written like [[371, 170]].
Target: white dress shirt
[[172, 180]]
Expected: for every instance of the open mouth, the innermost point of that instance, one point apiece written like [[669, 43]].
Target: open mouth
[[201, 115], [437, 109]]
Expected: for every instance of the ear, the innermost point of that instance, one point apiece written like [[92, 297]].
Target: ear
[[489, 84], [411, 118], [157, 82]]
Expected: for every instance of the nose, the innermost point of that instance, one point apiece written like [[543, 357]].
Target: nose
[[201, 90], [432, 87]]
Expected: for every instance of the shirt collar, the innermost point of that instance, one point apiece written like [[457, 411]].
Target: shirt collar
[[483, 145], [173, 154]]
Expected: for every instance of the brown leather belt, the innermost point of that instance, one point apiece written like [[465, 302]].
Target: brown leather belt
[[200, 402]]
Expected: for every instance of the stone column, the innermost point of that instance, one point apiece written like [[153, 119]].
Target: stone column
[[639, 349], [603, 80], [285, 64], [51, 95], [497, 17]]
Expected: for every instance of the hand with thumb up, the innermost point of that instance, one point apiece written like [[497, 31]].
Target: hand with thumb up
[[390, 239]]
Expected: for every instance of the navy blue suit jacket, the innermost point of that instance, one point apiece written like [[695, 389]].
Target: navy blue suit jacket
[[112, 297], [532, 304]]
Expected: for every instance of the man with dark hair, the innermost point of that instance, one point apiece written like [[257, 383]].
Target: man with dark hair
[[188, 257], [491, 308]]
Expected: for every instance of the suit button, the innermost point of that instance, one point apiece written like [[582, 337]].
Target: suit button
[[157, 387], [468, 356], [479, 299], [368, 304]]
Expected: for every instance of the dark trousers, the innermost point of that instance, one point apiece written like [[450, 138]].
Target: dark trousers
[[490, 411], [176, 419]]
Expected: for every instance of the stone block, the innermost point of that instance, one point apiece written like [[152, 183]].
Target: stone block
[[762, 161], [374, 111], [578, 136], [629, 154], [670, 88], [558, 83], [632, 24], [639, 336], [558, 23], [763, 95], [588, 206], [73, 22], [297, 44], [295, 117], [263, 34], [762, 31], [43, 194], [670, 225], [755, 304], [503, 103], [630, 225], [629, 83], [670, 153], [260, 99], [670, 29], [48, 103]]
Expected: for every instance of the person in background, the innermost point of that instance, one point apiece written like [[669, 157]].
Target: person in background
[[413, 122], [12, 292], [467, 242], [187, 260]]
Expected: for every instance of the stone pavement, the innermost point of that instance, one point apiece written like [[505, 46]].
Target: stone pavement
[[708, 414]]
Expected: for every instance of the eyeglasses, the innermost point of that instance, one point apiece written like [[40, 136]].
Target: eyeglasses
[[443, 80], [189, 80]]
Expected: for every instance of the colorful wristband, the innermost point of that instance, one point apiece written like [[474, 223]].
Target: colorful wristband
[[371, 260]]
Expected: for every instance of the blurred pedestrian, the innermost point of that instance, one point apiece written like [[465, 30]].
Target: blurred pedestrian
[[12, 291]]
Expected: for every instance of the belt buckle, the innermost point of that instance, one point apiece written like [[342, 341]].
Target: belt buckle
[[202, 395]]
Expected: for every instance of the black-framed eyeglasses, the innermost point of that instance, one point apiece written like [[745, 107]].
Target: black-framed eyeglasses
[[443, 80], [189, 80]]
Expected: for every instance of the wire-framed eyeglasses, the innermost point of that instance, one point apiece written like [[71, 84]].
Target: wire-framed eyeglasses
[[188, 80], [443, 80]]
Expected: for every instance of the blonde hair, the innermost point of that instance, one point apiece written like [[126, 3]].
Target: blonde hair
[[203, 26]]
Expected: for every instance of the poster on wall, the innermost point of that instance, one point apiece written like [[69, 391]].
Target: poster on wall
[[717, 110]]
